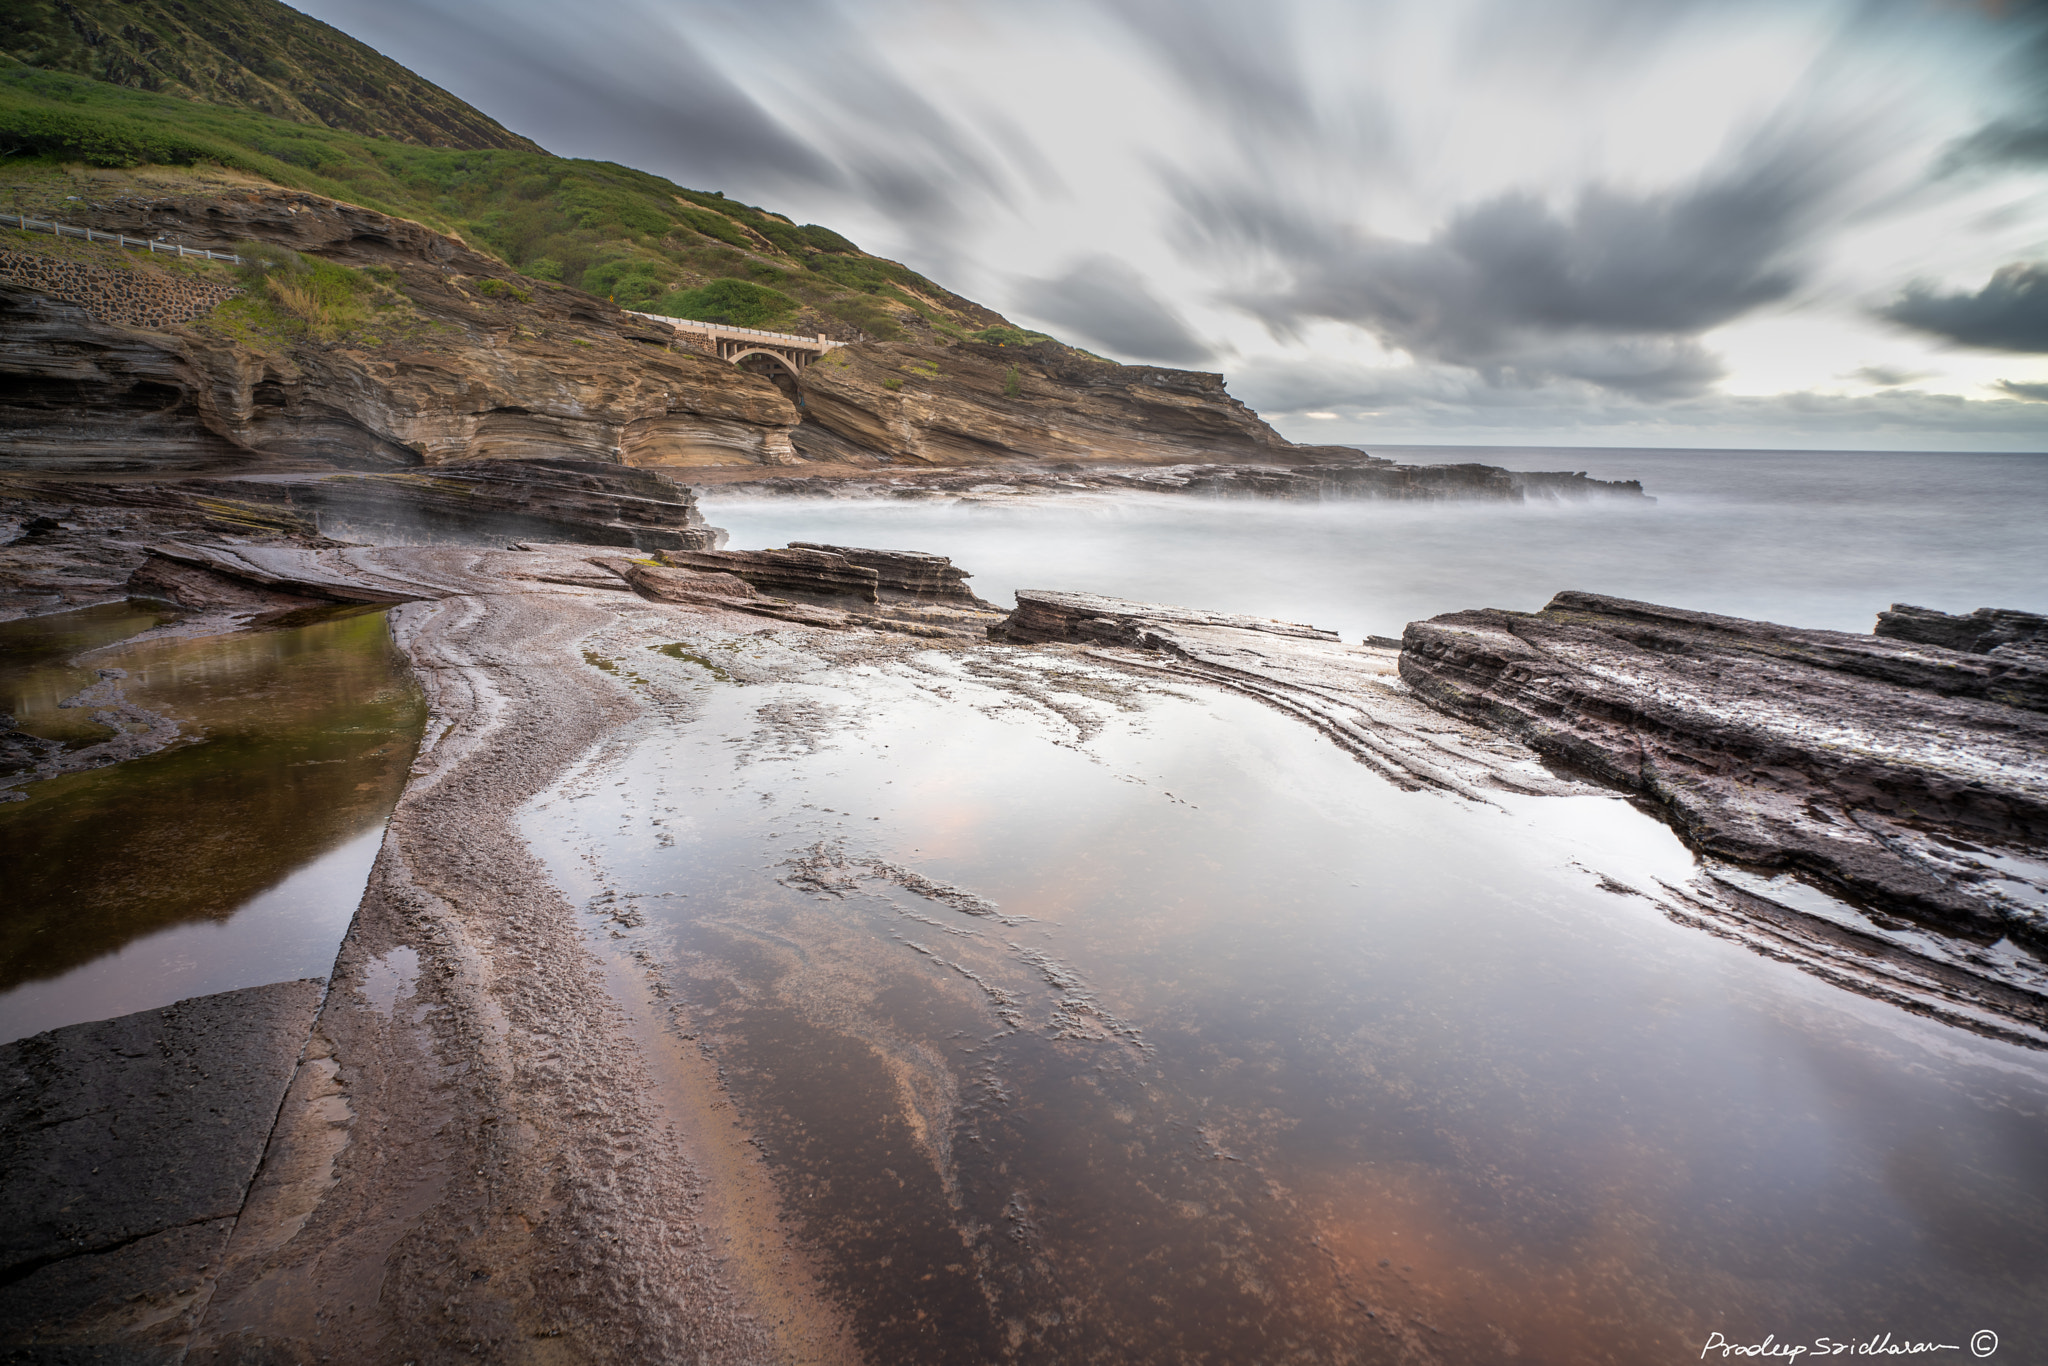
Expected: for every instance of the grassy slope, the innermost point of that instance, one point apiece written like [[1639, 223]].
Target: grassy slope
[[616, 232], [247, 54]]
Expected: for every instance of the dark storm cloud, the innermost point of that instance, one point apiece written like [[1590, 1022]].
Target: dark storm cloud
[[2009, 314], [2032, 393], [1613, 290], [1104, 301]]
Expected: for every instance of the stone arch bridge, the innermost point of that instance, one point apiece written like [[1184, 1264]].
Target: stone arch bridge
[[737, 344]]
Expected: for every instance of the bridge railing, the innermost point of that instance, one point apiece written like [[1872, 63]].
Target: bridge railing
[[721, 329], [111, 238]]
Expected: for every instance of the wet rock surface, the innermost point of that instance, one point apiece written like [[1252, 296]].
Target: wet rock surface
[[2006, 635], [906, 575], [72, 543], [129, 1146], [1913, 776], [811, 573]]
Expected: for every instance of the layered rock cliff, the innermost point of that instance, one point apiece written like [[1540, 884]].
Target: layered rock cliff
[[459, 359], [925, 405]]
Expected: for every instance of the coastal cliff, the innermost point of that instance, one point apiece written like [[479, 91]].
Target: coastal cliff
[[417, 351]]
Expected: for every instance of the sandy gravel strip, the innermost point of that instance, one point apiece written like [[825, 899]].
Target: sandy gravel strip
[[474, 1162]]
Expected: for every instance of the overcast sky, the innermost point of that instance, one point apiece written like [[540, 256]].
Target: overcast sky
[[1803, 223]]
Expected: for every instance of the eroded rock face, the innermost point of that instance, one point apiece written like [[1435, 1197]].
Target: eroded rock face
[[490, 366], [2006, 635], [1043, 615], [906, 575], [969, 404], [1896, 770], [810, 573], [490, 502]]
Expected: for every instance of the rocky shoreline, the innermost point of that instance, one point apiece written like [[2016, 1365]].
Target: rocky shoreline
[[1338, 474], [470, 1150]]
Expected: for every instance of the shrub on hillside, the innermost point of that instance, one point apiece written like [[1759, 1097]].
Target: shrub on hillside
[[736, 303]]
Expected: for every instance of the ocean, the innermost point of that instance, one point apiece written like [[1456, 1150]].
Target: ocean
[[1806, 538]]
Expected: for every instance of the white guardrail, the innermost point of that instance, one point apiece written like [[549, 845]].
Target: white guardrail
[[114, 238], [693, 325]]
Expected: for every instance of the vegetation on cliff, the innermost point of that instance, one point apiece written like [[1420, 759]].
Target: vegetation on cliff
[[635, 238], [246, 54]]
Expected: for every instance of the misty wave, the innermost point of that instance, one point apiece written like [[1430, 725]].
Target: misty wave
[[1822, 539]]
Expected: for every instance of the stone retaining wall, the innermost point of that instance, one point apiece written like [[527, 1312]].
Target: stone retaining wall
[[126, 298]]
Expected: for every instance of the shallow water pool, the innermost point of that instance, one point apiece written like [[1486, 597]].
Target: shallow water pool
[[233, 857], [1080, 1018]]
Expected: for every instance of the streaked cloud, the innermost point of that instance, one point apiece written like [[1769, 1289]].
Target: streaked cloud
[[1520, 208], [2010, 313]]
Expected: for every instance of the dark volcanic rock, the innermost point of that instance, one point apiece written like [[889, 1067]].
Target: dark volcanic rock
[[809, 573], [2002, 633], [1895, 770], [1043, 615], [906, 575], [128, 1147]]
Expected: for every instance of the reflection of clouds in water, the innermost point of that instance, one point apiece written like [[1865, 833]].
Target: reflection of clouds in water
[[1410, 1080]]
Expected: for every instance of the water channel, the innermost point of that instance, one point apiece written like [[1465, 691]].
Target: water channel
[[1082, 1018], [232, 857]]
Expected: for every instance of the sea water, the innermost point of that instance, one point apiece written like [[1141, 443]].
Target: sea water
[[1805, 538]]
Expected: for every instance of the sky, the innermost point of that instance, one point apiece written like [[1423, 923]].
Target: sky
[[1695, 223]]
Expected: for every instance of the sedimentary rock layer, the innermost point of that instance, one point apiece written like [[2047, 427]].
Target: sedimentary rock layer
[[2008, 637], [129, 1145], [812, 573], [902, 403], [471, 362], [1898, 771], [906, 575], [1349, 692], [71, 543]]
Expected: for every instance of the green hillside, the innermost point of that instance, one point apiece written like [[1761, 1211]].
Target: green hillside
[[619, 233], [245, 54]]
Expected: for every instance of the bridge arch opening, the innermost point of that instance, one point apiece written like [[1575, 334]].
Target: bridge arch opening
[[771, 367]]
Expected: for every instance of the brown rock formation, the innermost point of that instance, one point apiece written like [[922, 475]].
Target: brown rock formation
[[679, 585], [906, 575], [471, 362], [1895, 770], [971, 404], [809, 573], [1043, 615]]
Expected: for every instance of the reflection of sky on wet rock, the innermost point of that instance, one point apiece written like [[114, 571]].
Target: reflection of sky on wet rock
[[1260, 1058]]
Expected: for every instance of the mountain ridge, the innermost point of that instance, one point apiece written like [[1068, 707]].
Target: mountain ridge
[[258, 55]]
